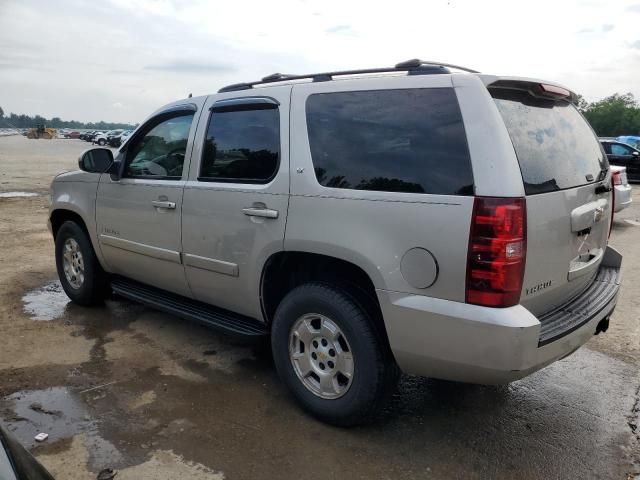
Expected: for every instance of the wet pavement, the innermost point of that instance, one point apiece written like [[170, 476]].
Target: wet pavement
[[156, 397], [221, 405]]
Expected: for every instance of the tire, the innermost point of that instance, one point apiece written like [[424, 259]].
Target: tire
[[318, 308], [101, 142], [90, 284]]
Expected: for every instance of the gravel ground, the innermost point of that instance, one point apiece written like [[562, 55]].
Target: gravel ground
[[130, 388]]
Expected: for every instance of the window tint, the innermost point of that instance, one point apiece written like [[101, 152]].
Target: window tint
[[390, 140], [242, 145], [555, 146], [617, 149], [160, 152]]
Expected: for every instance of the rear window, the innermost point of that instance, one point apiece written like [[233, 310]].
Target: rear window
[[410, 140], [555, 145]]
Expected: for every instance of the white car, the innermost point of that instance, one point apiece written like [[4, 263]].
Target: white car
[[622, 195]]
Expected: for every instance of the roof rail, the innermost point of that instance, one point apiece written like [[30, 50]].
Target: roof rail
[[414, 67]]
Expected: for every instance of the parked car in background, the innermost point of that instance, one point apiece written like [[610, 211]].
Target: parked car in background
[[102, 138], [113, 133], [632, 140], [623, 155], [92, 136], [72, 134], [623, 192], [118, 140], [86, 135]]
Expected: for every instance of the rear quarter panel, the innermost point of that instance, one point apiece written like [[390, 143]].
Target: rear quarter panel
[[373, 229]]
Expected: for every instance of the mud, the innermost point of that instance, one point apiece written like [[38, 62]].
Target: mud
[[126, 387]]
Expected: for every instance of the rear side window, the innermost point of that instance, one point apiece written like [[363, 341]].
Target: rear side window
[[555, 145], [242, 145], [409, 140]]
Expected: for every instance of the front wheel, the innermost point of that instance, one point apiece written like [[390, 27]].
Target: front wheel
[[101, 142], [327, 352], [82, 278]]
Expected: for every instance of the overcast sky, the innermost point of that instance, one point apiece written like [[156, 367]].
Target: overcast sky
[[118, 60]]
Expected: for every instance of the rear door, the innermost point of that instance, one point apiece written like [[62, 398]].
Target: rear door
[[235, 202], [568, 197]]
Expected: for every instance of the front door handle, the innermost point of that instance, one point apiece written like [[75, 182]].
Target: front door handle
[[260, 212], [163, 204]]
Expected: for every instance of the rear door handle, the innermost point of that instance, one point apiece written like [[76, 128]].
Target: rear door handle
[[163, 204], [260, 212]]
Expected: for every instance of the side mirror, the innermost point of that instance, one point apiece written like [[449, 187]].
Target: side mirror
[[636, 153], [96, 160]]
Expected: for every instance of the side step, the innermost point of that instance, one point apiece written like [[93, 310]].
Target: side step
[[218, 318]]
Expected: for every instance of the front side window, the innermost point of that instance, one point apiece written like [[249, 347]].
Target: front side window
[[617, 149], [160, 152], [409, 140], [242, 145]]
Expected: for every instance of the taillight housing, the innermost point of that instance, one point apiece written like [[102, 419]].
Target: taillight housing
[[614, 175], [616, 178], [497, 251]]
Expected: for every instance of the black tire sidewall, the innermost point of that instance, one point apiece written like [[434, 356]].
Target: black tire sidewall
[[90, 291], [361, 398]]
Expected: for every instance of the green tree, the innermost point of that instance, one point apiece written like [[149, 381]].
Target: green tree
[[1, 112], [614, 115]]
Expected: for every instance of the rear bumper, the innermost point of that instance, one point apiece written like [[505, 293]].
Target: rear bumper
[[623, 197], [457, 341]]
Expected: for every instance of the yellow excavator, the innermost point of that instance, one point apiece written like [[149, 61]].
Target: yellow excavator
[[40, 131]]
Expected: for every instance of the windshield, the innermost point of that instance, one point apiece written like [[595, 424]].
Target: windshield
[[555, 146]]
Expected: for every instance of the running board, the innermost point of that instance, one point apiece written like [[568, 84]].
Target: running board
[[217, 318]]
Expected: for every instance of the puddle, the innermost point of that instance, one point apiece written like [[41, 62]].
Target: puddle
[[635, 223], [17, 194], [55, 411], [46, 303]]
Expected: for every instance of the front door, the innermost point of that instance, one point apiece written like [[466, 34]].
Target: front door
[[235, 202], [138, 216]]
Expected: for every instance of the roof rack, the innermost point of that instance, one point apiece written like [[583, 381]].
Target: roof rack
[[414, 67]]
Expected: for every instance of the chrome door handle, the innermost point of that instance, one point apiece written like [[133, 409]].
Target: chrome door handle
[[161, 204], [260, 212]]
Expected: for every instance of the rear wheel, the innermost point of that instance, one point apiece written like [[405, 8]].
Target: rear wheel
[[327, 352], [82, 278], [101, 142]]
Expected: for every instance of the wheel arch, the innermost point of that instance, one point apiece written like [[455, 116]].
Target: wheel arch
[[285, 270], [58, 216]]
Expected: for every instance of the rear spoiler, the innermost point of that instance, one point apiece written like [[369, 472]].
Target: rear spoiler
[[537, 88]]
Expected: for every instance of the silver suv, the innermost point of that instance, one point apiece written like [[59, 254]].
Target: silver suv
[[423, 218]]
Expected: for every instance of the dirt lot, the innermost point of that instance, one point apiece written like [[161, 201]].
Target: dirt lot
[[126, 387]]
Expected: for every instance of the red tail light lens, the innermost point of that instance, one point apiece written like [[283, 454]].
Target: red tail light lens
[[613, 198], [497, 251], [616, 178]]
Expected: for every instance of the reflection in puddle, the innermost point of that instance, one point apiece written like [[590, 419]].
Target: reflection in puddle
[[17, 194], [55, 411], [46, 303]]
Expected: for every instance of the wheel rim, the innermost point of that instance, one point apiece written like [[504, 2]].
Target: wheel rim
[[73, 263], [321, 356]]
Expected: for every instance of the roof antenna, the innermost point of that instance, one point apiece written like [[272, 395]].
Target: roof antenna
[[190, 95]]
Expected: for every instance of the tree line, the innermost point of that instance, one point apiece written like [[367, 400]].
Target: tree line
[[613, 116], [26, 121], [618, 114]]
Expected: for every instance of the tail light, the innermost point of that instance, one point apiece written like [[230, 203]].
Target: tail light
[[616, 178], [497, 251]]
